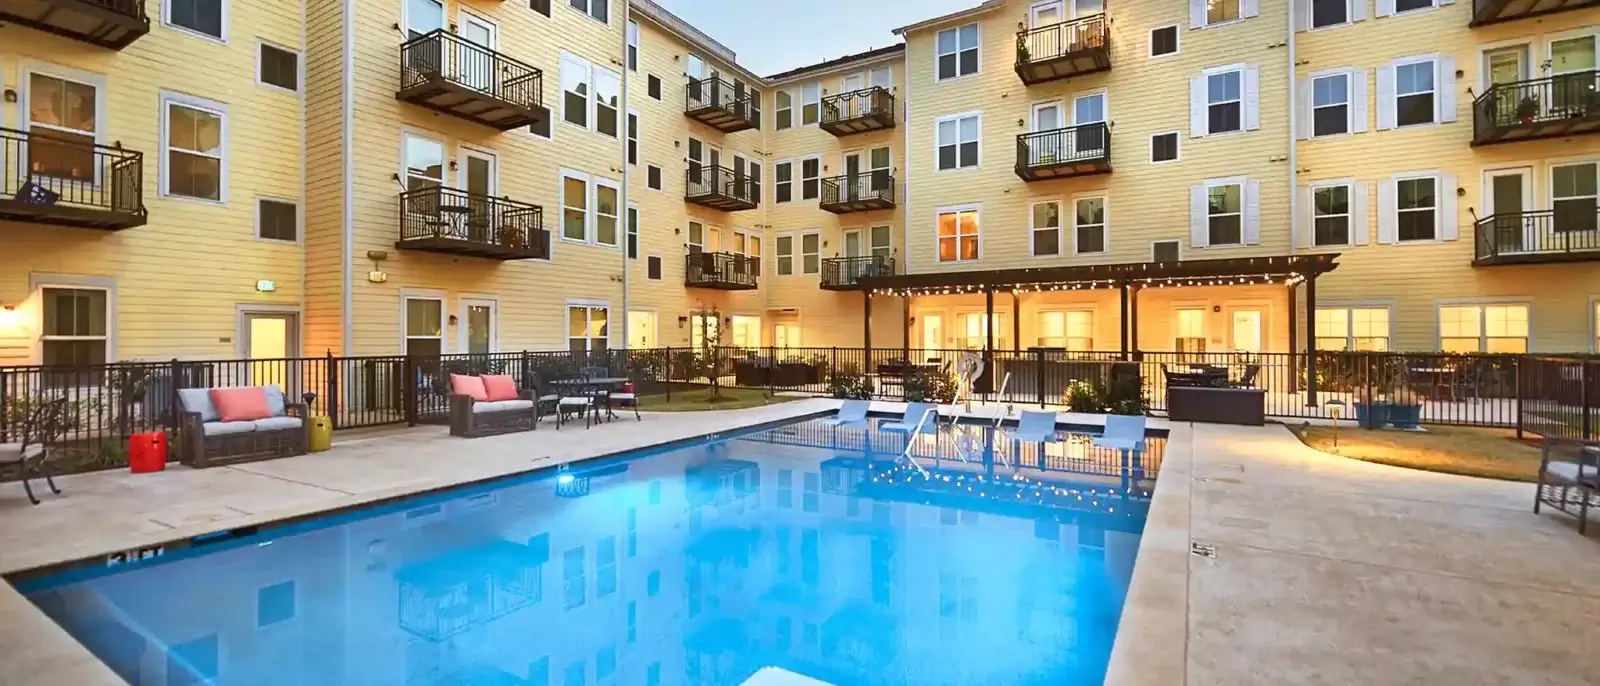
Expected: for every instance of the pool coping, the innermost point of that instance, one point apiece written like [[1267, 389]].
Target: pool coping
[[1152, 643]]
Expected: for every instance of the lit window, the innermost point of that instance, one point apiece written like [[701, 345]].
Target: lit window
[[64, 111], [1358, 328], [1191, 331], [1073, 331], [587, 328], [1218, 11], [574, 208], [957, 52], [424, 327], [1483, 328], [958, 235], [75, 324]]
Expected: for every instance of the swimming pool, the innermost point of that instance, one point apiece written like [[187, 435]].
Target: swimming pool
[[805, 548]]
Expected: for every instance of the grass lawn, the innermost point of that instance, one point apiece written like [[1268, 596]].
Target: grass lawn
[[700, 399], [1487, 453]]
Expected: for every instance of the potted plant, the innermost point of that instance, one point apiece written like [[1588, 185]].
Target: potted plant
[[1405, 407], [512, 237], [1527, 109], [1372, 409]]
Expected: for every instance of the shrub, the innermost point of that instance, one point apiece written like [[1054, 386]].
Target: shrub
[[1097, 397], [848, 383], [930, 386]]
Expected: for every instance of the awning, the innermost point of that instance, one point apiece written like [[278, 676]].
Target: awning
[[1235, 271]]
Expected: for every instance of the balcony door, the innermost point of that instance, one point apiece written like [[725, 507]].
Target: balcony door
[[1046, 148], [853, 247], [479, 176], [1506, 67], [270, 339], [697, 157], [479, 319], [1089, 141], [476, 67], [1510, 190], [850, 189], [1572, 68], [1248, 325], [1047, 14], [424, 170], [422, 17], [855, 105], [881, 161]]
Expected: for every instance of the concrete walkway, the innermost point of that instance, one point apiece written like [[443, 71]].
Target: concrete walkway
[[1334, 571]]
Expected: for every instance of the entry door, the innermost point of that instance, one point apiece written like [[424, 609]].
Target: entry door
[[479, 177], [1047, 14], [1090, 140], [270, 340], [1506, 66], [933, 331], [1247, 331], [1048, 146], [1507, 204], [479, 326], [853, 188], [786, 335], [852, 248], [477, 66], [713, 239], [642, 329]]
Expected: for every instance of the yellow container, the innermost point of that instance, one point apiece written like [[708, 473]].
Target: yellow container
[[321, 434]]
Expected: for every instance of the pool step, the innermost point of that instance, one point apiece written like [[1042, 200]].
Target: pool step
[[777, 676]]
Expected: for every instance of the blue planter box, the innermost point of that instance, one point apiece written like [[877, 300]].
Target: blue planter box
[[1373, 415], [1405, 416]]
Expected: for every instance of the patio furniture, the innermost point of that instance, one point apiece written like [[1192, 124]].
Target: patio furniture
[[1122, 432], [851, 412], [913, 419], [627, 398], [1569, 478], [1037, 426], [503, 409], [1217, 405], [544, 400], [1248, 379], [206, 441], [40, 424]]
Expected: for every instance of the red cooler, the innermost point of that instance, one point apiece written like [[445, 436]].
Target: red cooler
[[147, 452]]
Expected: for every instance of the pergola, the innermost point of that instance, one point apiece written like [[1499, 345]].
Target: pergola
[[1129, 278]]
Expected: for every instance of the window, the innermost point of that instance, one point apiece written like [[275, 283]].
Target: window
[[194, 138], [697, 237], [1073, 330], [783, 113], [633, 45], [605, 212], [424, 326], [957, 141], [1224, 103], [274, 604], [599, 9], [783, 251], [540, 6], [1330, 215], [1483, 328], [1573, 195], [205, 17], [810, 253], [881, 241], [607, 93], [1416, 208], [75, 324], [1225, 214], [755, 180], [575, 91], [1330, 12], [1355, 328], [1164, 41], [1414, 93], [1164, 147], [278, 67], [1191, 331], [810, 103], [277, 220], [633, 232], [783, 181], [957, 52], [1218, 11], [654, 86], [1046, 228], [1330, 105], [633, 138], [652, 176], [1164, 251], [424, 169], [587, 328], [1090, 233], [574, 587], [958, 234], [652, 267], [605, 574], [1410, 5], [810, 172], [68, 111], [574, 207]]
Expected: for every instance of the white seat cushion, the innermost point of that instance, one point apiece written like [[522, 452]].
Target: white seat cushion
[[1568, 471], [577, 401], [486, 406], [227, 428], [508, 405], [277, 423], [624, 396], [12, 451]]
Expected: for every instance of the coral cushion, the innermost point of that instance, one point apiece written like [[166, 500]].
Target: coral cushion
[[245, 404], [461, 384], [499, 387]]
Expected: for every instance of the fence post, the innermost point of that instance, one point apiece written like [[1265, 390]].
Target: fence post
[[409, 396], [1586, 400], [1038, 374], [1516, 379], [332, 401], [666, 373], [772, 371], [833, 365], [172, 396]]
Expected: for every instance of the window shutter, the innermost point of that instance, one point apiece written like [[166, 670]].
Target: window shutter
[[1447, 88], [1199, 233], [1302, 109], [1252, 213], [1302, 15], [1385, 97], [1252, 98], [1358, 100], [1360, 217], [1449, 222], [1197, 14], [1197, 107], [1388, 223], [1308, 226], [1358, 10], [1249, 8], [1385, 8]]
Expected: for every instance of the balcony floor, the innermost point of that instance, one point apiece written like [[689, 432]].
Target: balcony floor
[[79, 20], [61, 214], [876, 121], [718, 201], [720, 119], [441, 94], [1078, 63], [467, 248], [1549, 128], [1527, 258], [1064, 170], [1497, 11], [858, 205]]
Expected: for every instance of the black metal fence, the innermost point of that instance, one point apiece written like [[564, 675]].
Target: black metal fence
[[56, 168], [1573, 227], [440, 54], [1081, 143], [1062, 39], [866, 102]]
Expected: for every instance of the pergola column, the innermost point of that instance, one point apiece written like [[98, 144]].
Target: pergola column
[[1123, 318], [1311, 340], [1294, 343], [866, 321], [1133, 321], [905, 340], [988, 339], [1016, 321]]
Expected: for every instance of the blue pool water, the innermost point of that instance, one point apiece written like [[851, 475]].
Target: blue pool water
[[806, 548]]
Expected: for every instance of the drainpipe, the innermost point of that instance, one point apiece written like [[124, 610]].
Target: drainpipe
[[1294, 169], [627, 226]]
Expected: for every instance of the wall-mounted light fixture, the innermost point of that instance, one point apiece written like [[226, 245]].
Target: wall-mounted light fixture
[[683, 321]]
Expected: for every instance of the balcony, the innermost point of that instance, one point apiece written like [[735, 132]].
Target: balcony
[[723, 271], [455, 222], [720, 188], [113, 24], [862, 192], [1058, 51], [868, 109], [1061, 153], [1496, 11], [451, 75], [1551, 107], [845, 273], [723, 106], [1568, 233], [68, 180]]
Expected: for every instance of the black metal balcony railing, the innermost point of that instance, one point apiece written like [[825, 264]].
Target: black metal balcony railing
[[1569, 233], [456, 222], [1068, 48], [844, 273], [721, 270], [861, 192], [723, 106], [1495, 11], [446, 73], [720, 188], [69, 180], [1072, 151], [868, 109], [1550, 107], [113, 24]]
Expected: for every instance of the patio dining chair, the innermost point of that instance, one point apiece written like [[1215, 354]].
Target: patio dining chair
[[545, 402], [913, 417], [627, 398], [41, 423], [852, 412], [1569, 477]]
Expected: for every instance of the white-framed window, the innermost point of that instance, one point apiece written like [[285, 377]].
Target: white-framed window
[[1573, 195], [1225, 212], [1483, 328], [1225, 100], [1333, 213], [1164, 41], [574, 206], [575, 89], [1164, 147], [424, 325], [810, 252], [697, 237], [76, 326], [588, 326], [1594, 323], [277, 67], [783, 181], [956, 52], [590, 212], [1189, 330], [1417, 206], [277, 220], [1390, 7], [958, 233], [607, 96], [782, 110], [633, 138], [956, 140], [810, 177], [194, 148], [590, 95], [69, 109], [1089, 232], [783, 253], [1417, 91], [422, 163], [1203, 13], [205, 18], [633, 231], [810, 103], [652, 177], [1330, 13], [881, 241], [1046, 225], [599, 10], [1331, 108], [1353, 328], [1072, 330], [1414, 93], [633, 45], [606, 217]]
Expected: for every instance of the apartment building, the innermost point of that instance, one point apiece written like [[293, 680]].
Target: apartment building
[[477, 175]]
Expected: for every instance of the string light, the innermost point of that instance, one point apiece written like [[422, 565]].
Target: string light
[[1287, 279]]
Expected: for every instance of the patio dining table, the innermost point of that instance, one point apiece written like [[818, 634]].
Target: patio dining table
[[595, 386]]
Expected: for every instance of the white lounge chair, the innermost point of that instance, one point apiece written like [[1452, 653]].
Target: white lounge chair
[[1037, 426], [852, 412], [1122, 432], [913, 416]]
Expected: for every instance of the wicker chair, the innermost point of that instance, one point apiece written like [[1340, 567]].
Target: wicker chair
[[41, 423], [472, 419], [1569, 477], [203, 441]]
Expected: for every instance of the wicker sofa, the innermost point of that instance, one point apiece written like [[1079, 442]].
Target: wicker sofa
[[471, 419], [204, 441]]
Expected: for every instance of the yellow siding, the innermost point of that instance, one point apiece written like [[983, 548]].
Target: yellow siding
[[325, 182]]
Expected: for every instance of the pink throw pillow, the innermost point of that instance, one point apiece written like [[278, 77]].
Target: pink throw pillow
[[461, 384], [499, 387], [245, 404]]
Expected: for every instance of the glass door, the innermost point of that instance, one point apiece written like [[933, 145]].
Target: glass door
[[932, 332], [852, 248], [270, 341], [642, 329], [476, 67], [478, 331], [1247, 331], [1047, 145], [480, 180], [1046, 14], [1506, 204], [1089, 141], [1572, 66], [1506, 67], [851, 188]]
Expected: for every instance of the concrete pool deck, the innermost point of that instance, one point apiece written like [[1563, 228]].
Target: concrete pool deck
[[1326, 570]]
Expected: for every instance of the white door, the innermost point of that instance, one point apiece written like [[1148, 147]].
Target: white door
[[851, 83], [1089, 141], [786, 335], [852, 248], [1087, 8], [882, 77], [479, 322], [932, 331], [853, 186], [1247, 331], [479, 176], [1506, 205], [1049, 145], [1046, 14], [477, 67], [642, 329]]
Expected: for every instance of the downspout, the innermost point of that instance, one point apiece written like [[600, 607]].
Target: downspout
[[905, 190], [1294, 139], [628, 227]]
